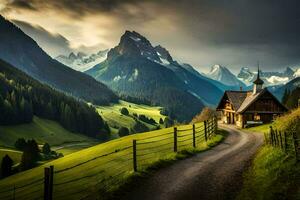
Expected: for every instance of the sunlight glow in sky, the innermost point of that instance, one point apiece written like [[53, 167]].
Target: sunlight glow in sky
[[202, 33]]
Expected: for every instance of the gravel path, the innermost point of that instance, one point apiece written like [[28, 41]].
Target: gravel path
[[214, 174]]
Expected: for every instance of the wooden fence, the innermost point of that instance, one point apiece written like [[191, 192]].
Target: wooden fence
[[137, 155], [288, 142]]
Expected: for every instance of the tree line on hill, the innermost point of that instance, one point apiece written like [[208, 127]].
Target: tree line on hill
[[291, 98], [31, 154], [140, 127], [21, 97]]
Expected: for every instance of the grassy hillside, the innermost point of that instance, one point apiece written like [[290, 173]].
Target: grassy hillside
[[274, 173], [111, 114], [42, 131], [92, 171]]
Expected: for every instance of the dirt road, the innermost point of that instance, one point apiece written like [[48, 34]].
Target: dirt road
[[214, 174]]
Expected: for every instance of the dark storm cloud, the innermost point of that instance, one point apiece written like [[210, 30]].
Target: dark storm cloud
[[53, 44], [23, 4], [235, 32], [75, 7]]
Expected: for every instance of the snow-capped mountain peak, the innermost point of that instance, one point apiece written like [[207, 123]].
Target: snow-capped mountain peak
[[82, 61], [270, 78], [223, 75]]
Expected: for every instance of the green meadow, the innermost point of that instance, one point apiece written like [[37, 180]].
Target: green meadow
[[104, 167], [42, 131], [115, 119]]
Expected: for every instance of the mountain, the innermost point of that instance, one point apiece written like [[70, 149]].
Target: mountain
[[223, 75], [196, 83], [270, 78], [291, 85], [81, 61], [134, 67], [24, 53]]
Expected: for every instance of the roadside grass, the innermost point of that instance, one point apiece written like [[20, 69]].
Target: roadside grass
[[42, 131], [273, 175], [91, 174], [265, 128]]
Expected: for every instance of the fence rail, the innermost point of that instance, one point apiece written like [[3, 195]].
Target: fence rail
[[288, 142], [68, 183]]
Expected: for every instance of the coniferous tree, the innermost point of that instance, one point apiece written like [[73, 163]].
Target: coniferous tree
[[30, 155], [6, 166], [20, 144], [123, 131], [124, 111], [46, 149], [161, 121]]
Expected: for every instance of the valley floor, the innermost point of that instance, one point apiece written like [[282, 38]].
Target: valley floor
[[214, 174]]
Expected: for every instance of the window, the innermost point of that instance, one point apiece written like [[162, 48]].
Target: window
[[256, 117]]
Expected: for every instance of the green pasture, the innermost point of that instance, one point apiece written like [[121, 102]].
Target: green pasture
[[104, 167], [115, 119], [42, 131]]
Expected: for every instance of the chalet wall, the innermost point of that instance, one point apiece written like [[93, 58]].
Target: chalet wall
[[266, 103]]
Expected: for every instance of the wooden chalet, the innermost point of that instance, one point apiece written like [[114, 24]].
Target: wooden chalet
[[244, 108]]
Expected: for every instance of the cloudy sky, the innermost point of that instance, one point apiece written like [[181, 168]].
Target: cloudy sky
[[233, 33]]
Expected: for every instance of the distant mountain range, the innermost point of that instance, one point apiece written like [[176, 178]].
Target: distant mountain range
[[136, 68], [22, 52], [270, 78], [81, 61]]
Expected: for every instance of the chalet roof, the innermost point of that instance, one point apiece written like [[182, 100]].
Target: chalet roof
[[249, 100], [236, 98], [253, 97]]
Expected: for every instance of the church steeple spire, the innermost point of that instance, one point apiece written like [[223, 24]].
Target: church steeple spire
[[258, 82]]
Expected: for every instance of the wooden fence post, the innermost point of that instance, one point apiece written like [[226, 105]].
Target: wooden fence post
[[276, 138], [194, 136], [280, 136], [14, 193], [209, 129], [216, 121], [271, 133], [134, 155], [285, 143], [51, 182], [270, 136], [46, 183], [205, 130], [296, 146], [175, 139]]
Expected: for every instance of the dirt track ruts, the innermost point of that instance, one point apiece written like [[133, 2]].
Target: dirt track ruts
[[214, 174]]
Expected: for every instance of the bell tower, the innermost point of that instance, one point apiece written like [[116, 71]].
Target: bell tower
[[258, 83]]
